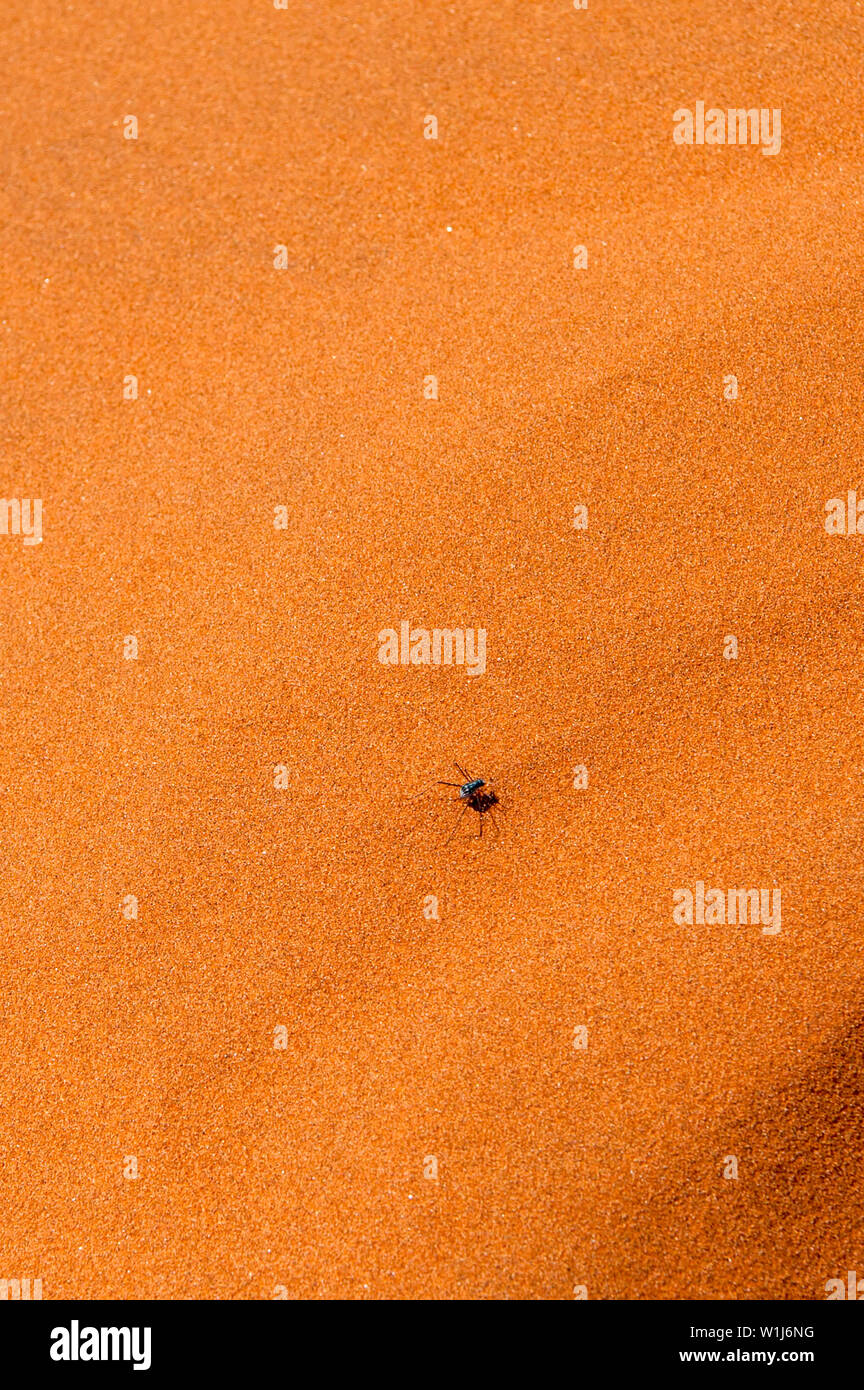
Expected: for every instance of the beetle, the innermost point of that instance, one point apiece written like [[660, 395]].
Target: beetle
[[476, 793]]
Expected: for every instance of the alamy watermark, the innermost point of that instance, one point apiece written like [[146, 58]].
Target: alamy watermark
[[18, 1289], [737, 126], [845, 515], [853, 1288], [441, 647], [717, 907], [22, 518], [76, 1343]]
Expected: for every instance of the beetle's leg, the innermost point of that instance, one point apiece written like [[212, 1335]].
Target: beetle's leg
[[456, 826]]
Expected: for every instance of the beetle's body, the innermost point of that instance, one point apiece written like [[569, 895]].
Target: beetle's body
[[470, 788]]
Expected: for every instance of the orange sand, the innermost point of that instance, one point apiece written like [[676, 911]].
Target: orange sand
[[406, 1037]]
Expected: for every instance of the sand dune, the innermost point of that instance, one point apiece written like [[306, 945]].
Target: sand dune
[[264, 787]]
